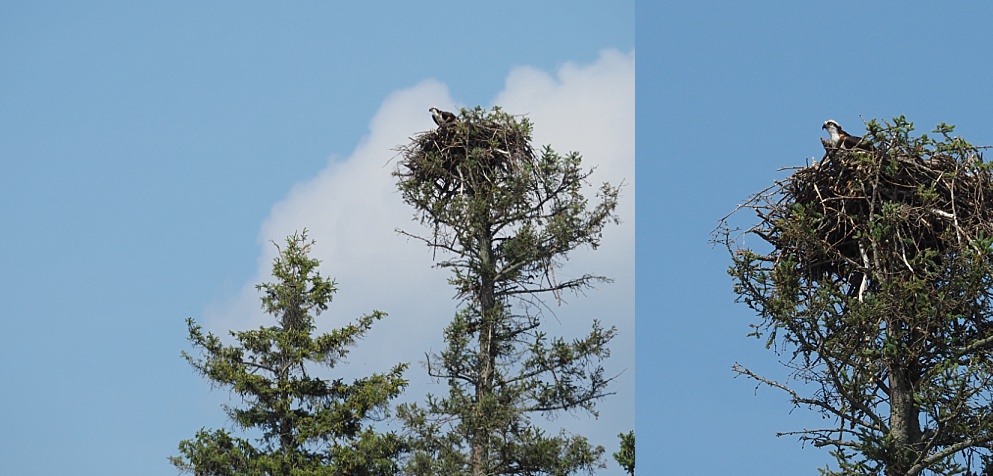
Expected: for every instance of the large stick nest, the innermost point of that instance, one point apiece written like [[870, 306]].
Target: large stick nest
[[461, 158], [926, 201]]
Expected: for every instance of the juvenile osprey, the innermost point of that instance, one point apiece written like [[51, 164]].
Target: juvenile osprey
[[442, 118], [841, 139]]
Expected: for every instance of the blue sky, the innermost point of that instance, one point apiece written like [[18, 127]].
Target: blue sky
[[729, 92], [150, 152]]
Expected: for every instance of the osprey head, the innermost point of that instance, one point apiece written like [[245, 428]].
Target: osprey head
[[834, 129]]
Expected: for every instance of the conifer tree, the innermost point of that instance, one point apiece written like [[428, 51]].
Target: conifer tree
[[308, 425], [625, 456], [872, 273], [506, 218]]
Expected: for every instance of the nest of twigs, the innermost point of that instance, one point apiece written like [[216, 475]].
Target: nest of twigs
[[901, 202], [461, 158]]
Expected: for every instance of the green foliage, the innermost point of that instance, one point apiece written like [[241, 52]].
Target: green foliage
[[508, 218], [877, 289], [217, 453], [625, 456], [309, 426]]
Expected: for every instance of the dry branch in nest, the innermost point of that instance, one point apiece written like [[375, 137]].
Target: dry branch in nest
[[478, 150], [872, 213]]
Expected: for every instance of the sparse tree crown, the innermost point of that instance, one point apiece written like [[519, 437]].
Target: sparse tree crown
[[507, 218]]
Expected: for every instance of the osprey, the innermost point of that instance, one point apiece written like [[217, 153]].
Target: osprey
[[841, 139], [442, 118]]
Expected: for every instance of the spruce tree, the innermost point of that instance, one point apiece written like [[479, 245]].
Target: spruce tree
[[871, 272], [625, 455], [307, 425], [506, 218]]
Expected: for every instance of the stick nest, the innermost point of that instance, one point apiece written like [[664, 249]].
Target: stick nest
[[906, 201], [478, 150]]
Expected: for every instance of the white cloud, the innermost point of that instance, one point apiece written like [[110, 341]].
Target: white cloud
[[352, 209]]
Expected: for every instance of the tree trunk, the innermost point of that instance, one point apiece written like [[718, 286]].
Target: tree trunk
[[905, 427], [487, 348], [282, 407]]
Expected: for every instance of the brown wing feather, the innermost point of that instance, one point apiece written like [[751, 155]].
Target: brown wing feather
[[853, 142]]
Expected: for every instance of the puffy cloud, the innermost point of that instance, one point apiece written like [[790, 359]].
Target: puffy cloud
[[352, 210]]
